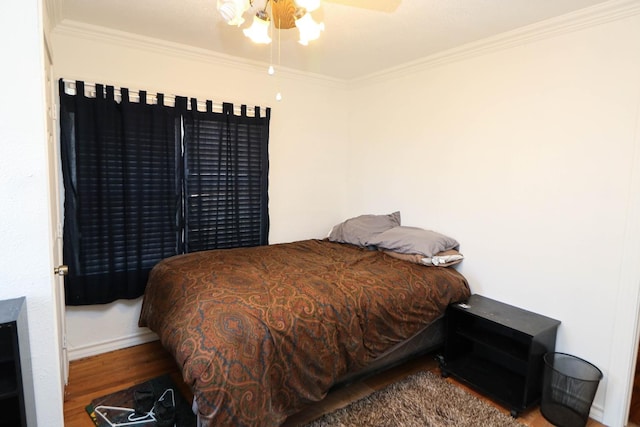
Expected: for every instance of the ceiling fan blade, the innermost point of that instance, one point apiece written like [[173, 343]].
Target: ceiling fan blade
[[379, 5]]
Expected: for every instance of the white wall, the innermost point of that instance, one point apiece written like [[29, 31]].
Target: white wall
[[527, 155], [524, 147], [25, 255], [308, 133]]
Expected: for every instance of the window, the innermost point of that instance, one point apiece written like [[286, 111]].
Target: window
[[144, 182], [224, 181]]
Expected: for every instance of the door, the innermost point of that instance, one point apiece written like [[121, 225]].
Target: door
[[56, 195]]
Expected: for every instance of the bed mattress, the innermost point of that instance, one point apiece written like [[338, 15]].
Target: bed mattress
[[261, 332]]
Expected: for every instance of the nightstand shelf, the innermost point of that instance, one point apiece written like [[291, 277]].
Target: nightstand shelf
[[497, 349], [8, 381], [15, 370], [476, 370]]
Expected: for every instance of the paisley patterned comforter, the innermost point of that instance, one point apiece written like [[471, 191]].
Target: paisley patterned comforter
[[260, 332]]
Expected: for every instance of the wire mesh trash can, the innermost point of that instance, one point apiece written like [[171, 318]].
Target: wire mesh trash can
[[568, 389]]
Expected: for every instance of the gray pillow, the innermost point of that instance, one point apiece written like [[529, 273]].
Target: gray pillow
[[362, 229], [413, 240]]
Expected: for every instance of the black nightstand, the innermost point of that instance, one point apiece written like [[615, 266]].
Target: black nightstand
[[15, 369], [497, 349]]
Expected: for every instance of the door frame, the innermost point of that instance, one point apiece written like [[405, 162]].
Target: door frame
[[626, 330], [56, 198]]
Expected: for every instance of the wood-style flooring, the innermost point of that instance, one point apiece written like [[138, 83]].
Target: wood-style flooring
[[106, 373], [634, 409]]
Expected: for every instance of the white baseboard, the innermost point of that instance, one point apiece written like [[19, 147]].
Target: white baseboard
[[110, 345], [597, 413]]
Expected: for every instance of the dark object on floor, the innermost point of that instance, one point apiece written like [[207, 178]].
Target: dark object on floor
[[164, 412], [144, 400], [134, 399]]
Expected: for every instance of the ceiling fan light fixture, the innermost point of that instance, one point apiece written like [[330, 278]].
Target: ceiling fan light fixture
[[309, 29], [232, 11], [285, 14], [309, 5], [258, 32]]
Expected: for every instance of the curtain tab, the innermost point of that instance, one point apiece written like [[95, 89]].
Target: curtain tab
[[80, 88], [99, 91], [181, 104], [110, 93]]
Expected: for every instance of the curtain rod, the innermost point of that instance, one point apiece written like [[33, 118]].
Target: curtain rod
[[169, 99]]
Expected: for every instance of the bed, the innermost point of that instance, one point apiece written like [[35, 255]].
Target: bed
[[261, 332]]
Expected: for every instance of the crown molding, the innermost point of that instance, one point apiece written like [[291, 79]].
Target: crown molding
[[75, 29], [52, 13], [584, 18]]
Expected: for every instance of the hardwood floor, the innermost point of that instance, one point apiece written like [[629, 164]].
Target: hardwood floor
[[106, 373], [634, 409]]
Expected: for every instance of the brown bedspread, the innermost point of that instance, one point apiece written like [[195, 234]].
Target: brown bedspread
[[260, 332]]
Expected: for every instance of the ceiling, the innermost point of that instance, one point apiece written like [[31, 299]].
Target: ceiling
[[361, 37]]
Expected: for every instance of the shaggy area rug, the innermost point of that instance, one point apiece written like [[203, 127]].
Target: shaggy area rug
[[420, 400]]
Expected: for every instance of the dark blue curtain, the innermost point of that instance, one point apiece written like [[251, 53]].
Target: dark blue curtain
[[137, 192], [225, 186]]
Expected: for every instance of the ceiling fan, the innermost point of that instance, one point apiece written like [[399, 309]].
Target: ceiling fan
[[387, 6], [285, 14]]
